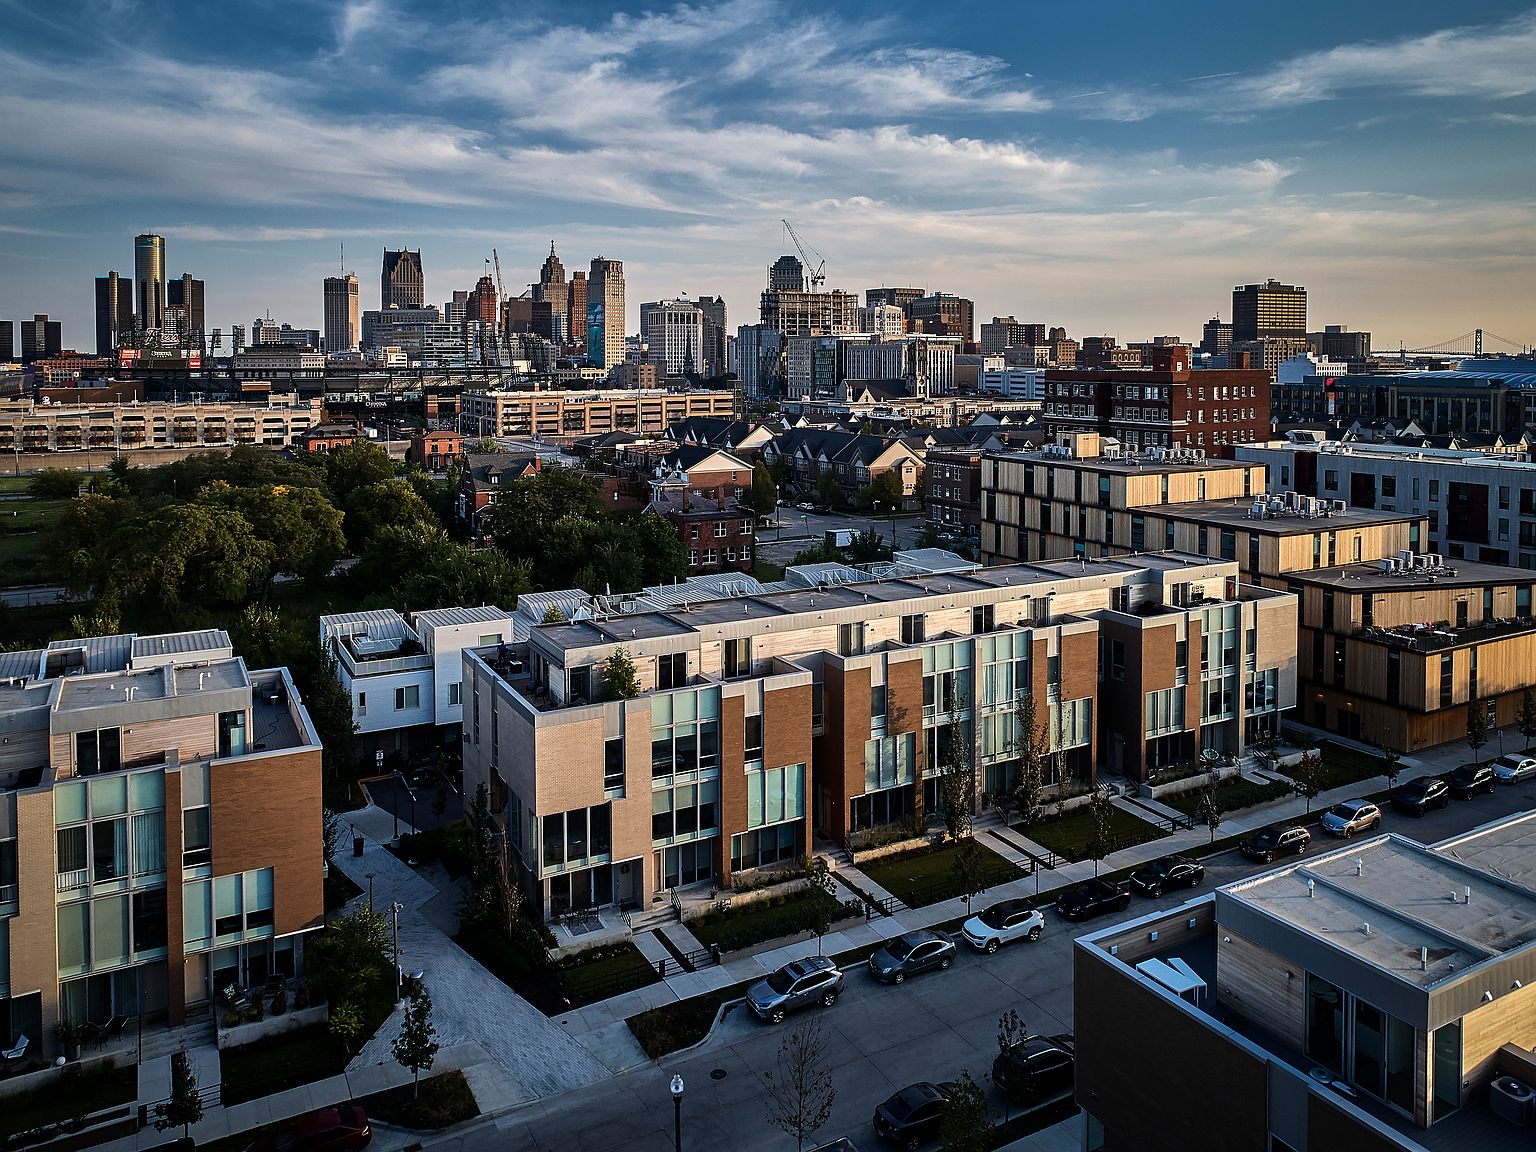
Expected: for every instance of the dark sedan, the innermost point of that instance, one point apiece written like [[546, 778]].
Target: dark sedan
[[1034, 1069], [1470, 779], [1275, 842], [1092, 898], [1418, 796], [913, 953], [912, 1117], [340, 1128], [1168, 872]]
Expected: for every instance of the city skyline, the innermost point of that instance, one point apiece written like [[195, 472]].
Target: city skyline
[[1378, 154]]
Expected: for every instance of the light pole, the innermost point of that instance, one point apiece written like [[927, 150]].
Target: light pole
[[677, 1113], [370, 891], [394, 910]]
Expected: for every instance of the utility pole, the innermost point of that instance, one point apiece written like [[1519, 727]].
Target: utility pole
[[395, 913]]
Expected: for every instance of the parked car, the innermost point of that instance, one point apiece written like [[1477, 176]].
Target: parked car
[[1273, 842], [913, 953], [912, 1116], [1470, 779], [799, 984], [1351, 816], [806, 506], [1168, 872], [340, 1128], [1513, 768], [1035, 1068], [1418, 796], [1003, 923], [1092, 898]]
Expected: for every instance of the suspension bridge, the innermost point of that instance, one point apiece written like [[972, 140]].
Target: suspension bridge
[[1474, 343]]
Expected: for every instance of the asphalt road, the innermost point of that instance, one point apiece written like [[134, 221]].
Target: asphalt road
[[879, 1038], [803, 529]]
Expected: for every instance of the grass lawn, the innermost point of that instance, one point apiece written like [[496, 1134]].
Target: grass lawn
[[599, 973], [23, 559], [927, 875], [444, 1099], [30, 515], [279, 1063], [1232, 796], [10, 485], [1071, 836], [768, 920], [1343, 767], [70, 1095]]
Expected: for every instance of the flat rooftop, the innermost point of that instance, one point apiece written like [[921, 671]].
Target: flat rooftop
[[1124, 464], [1384, 899], [1234, 514], [447, 617], [1368, 576]]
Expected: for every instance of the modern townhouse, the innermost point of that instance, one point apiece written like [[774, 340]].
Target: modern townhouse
[[403, 674], [766, 714], [160, 830], [1377, 996]]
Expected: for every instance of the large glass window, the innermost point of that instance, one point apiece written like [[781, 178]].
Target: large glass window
[[149, 843], [74, 927], [775, 795], [686, 811], [196, 837], [228, 905], [765, 846], [1447, 1057], [1325, 1023], [149, 923], [98, 751], [232, 733], [109, 931], [196, 918], [685, 732], [109, 849]]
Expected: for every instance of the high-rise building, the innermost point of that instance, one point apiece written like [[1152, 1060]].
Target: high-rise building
[[1269, 309], [7, 341], [1337, 342], [456, 309], [787, 307], [605, 312], [342, 317], [1005, 332], [114, 312], [786, 274], [882, 320], [481, 305], [186, 294], [899, 297], [713, 360], [1215, 337], [674, 332], [40, 338], [149, 279], [401, 285], [553, 290], [942, 314], [576, 310], [760, 359]]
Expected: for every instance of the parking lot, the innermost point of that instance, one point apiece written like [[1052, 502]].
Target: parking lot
[[797, 529]]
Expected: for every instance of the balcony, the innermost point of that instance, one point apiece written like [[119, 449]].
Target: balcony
[[1428, 637]]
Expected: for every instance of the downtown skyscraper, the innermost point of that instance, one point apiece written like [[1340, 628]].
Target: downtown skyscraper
[[149, 279], [605, 313], [114, 312], [341, 313], [401, 283]]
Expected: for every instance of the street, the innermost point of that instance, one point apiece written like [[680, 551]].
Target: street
[[879, 1038], [801, 530]]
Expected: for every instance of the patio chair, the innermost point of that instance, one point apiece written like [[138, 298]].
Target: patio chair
[[118, 1025], [17, 1052]]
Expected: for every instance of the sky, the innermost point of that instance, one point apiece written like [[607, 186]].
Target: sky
[[1114, 168]]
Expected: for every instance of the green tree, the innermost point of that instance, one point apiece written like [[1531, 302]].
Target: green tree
[[303, 527], [664, 556], [1101, 813], [619, 679], [885, 488], [824, 888], [1307, 775], [185, 1105], [352, 964], [829, 493], [199, 554], [415, 1048], [1528, 717], [800, 1089], [95, 540], [104, 618], [415, 566], [529, 506], [55, 484], [763, 497], [1029, 747], [354, 466], [967, 1125], [389, 503], [867, 546], [1477, 727], [1011, 1032], [1391, 763]]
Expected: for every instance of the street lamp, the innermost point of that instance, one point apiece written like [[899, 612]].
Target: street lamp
[[394, 910], [677, 1113]]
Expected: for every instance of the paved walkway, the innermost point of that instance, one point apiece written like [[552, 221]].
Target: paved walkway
[[469, 1006]]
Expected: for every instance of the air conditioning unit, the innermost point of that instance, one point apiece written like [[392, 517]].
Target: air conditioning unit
[[1512, 1099]]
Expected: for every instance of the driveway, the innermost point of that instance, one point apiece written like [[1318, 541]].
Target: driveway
[[468, 1003]]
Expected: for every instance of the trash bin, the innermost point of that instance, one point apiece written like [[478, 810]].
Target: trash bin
[[357, 845]]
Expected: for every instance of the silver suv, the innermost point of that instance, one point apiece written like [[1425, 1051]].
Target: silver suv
[[799, 984], [1351, 816]]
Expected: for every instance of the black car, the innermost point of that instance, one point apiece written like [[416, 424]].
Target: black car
[[1092, 898], [1273, 842], [1035, 1069], [1470, 779], [912, 1116], [1418, 796], [915, 952], [1168, 872]]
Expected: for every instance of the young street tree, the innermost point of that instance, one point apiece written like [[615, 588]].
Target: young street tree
[[185, 1106], [763, 496], [1028, 738], [416, 1046], [824, 887], [1209, 810], [1101, 813], [1477, 727], [1011, 1031], [1528, 717], [800, 1090], [967, 1124], [1391, 763], [1308, 774]]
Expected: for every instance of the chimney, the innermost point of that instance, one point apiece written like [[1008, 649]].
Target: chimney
[[1423, 959]]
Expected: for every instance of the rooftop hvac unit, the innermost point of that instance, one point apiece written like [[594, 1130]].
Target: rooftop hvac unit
[[1385, 565], [1405, 557], [1199, 453], [1340, 506], [1512, 1099]]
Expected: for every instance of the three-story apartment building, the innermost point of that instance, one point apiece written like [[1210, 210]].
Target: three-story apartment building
[[160, 829], [762, 716]]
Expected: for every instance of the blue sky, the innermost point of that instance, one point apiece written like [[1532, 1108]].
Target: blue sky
[[1113, 167]]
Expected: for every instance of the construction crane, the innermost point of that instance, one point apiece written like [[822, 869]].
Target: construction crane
[[500, 334], [817, 277]]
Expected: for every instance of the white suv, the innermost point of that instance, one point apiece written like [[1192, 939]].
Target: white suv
[[1003, 924]]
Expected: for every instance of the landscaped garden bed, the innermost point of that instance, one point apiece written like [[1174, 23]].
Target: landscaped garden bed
[[278, 1063], [737, 928], [71, 1095], [682, 1023], [928, 875], [554, 987], [1071, 836], [1233, 795], [444, 1100]]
